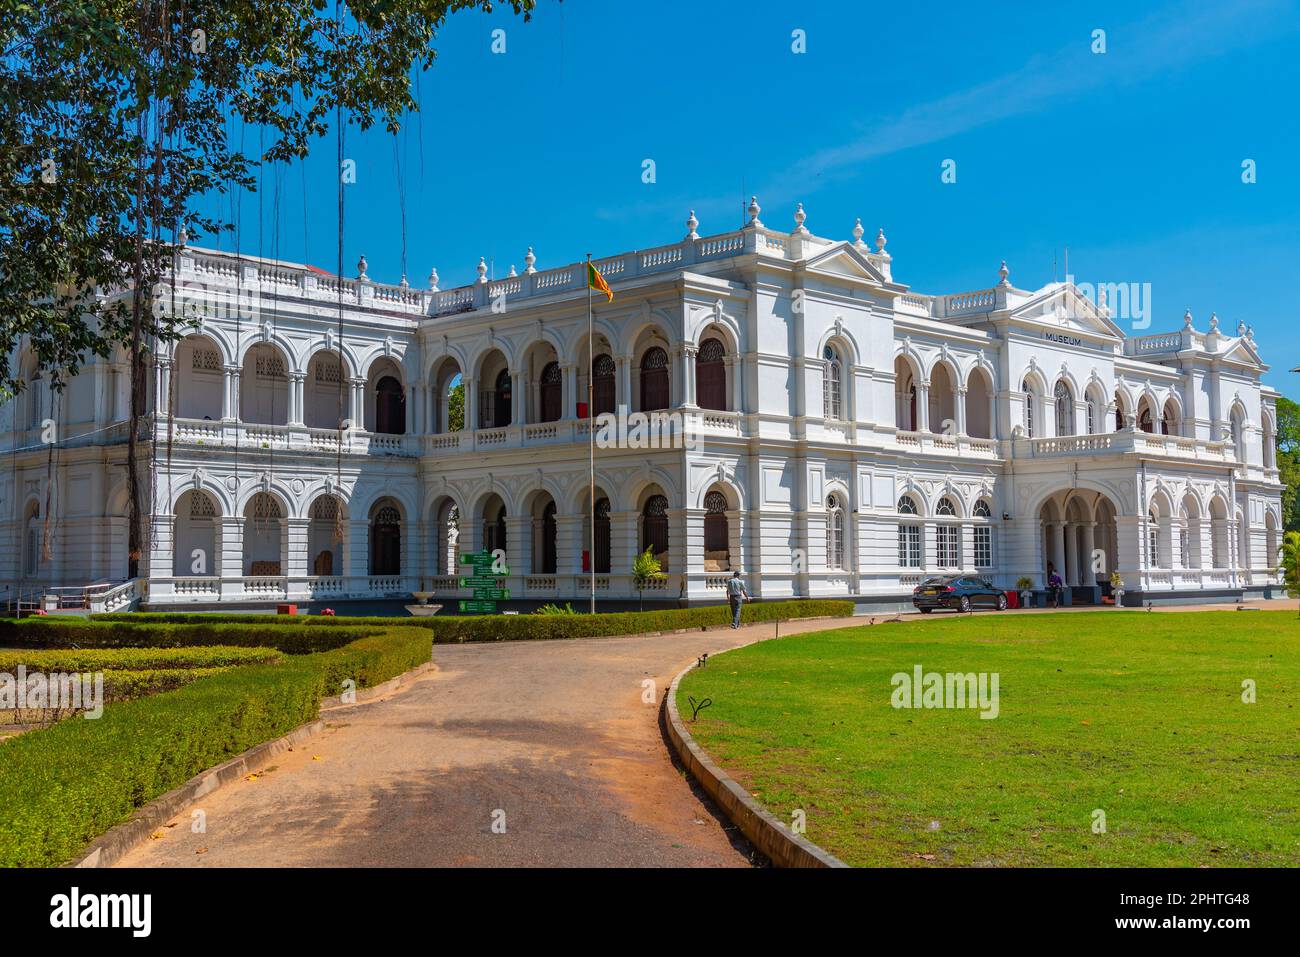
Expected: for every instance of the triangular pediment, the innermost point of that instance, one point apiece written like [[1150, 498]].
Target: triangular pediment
[[842, 259], [1243, 351], [1062, 307]]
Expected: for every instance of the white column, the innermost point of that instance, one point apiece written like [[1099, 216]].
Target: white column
[[922, 423], [624, 383], [1056, 533], [568, 392], [230, 397], [1089, 546], [518, 400], [471, 405], [959, 410]]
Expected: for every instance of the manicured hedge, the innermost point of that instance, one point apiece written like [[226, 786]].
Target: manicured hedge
[[62, 786], [255, 631], [135, 659], [454, 628]]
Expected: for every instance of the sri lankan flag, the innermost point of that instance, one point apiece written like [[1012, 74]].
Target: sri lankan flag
[[596, 281]]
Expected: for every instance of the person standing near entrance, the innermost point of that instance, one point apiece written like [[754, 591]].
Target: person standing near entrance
[[1054, 585], [736, 593]]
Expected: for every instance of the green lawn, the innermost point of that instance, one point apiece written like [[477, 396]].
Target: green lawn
[[1137, 714]]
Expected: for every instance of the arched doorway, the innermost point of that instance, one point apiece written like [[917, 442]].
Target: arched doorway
[[602, 385], [385, 538], [654, 528], [1079, 541], [711, 374], [390, 407], [654, 380], [263, 536], [194, 550], [551, 392], [325, 536], [717, 536]]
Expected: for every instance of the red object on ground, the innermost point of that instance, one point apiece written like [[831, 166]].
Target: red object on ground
[[586, 560], [582, 410], [1013, 599], [328, 612], [286, 609]]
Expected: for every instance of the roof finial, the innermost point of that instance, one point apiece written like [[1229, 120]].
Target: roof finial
[[880, 241], [404, 284], [482, 269], [512, 274], [183, 239], [1250, 333], [361, 267], [754, 210], [1214, 322], [1187, 319], [529, 259], [691, 223], [858, 231], [1003, 273], [799, 217], [433, 279]]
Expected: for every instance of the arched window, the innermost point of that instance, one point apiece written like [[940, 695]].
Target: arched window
[[1153, 540], [602, 385], [909, 535], [654, 380], [551, 389], [386, 541], [717, 538], [602, 536], [501, 405], [1119, 413], [832, 385], [711, 375], [834, 533], [1238, 427], [1028, 390], [1093, 417], [390, 407], [983, 535], [548, 540], [1064, 409], [654, 527], [947, 535], [1270, 444]]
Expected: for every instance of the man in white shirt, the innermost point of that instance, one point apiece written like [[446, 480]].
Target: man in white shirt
[[736, 593]]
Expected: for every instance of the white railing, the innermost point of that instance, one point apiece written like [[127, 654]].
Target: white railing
[[123, 597]]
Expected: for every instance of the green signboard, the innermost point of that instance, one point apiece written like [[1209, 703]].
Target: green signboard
[[485, 582]]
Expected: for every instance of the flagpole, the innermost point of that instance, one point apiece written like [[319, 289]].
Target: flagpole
[[591, 438]]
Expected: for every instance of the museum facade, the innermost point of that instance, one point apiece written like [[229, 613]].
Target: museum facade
[[763, 399]]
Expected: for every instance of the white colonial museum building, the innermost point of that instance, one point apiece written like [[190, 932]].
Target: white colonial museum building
[[837, 434]]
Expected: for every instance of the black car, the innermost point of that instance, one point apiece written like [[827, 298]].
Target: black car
[[957, 591]]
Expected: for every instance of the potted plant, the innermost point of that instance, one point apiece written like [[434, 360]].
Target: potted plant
[[1025, 585], [1117, 588]]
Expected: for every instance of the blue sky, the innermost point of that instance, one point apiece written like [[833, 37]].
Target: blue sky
[[1131, 158]]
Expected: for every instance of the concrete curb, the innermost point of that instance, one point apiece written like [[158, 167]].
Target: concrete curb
[[764, 831], [115, 843]]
